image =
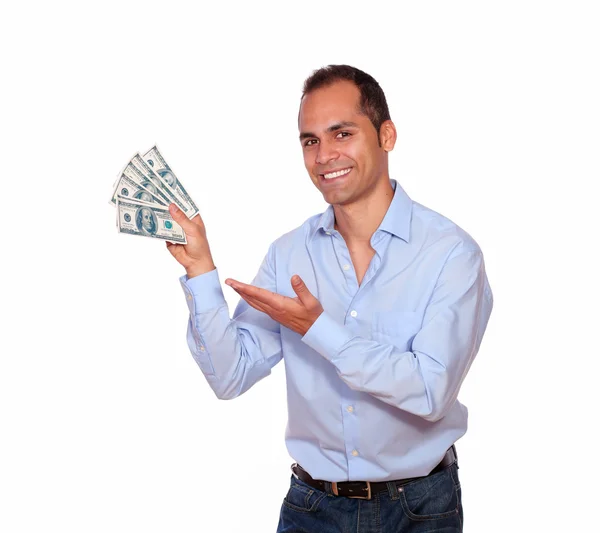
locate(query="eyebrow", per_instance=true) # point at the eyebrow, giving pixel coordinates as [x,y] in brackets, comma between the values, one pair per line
[330,129]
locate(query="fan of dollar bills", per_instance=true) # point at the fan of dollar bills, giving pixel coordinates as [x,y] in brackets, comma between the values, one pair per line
[142,194]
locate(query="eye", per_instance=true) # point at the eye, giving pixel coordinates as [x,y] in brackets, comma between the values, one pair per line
[310,142]
[342,134]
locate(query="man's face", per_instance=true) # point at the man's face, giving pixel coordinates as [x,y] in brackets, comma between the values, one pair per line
[146,219]
[337,140]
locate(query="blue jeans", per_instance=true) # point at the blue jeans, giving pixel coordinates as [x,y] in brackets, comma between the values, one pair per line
[432,503]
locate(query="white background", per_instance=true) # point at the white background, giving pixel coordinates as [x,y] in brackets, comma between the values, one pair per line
[106,423]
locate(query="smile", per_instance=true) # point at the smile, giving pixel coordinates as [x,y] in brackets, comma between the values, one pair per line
[336,174]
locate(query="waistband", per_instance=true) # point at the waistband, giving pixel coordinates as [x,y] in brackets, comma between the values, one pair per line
[365,489]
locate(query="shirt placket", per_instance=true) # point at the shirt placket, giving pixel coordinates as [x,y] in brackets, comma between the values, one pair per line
[349,405]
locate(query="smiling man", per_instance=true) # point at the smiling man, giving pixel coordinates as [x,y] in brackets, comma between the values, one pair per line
[378,306]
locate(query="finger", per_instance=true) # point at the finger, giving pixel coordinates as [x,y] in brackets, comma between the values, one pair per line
[179,216]
[302,291]
[176,250]
[263,295]
[259,306]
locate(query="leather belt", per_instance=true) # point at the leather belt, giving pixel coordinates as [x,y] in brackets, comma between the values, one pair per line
[365,489]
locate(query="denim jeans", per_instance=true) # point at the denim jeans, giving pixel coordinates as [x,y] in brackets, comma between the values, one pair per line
[426,505]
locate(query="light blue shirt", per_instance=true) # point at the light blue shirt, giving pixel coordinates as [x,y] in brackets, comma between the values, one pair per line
[372,387]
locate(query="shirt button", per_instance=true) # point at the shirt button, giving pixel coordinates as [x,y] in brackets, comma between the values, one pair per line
[355,453]
[350,409]
[353,314]
[328,232]
[201,348]
[346,267]
[189,296]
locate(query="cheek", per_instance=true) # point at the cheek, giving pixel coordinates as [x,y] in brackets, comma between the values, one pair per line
[369,158]
[352,152]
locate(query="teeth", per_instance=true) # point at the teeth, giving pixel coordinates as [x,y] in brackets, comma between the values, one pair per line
[336,174]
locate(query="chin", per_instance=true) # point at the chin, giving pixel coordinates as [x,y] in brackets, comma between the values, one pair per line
[337,198]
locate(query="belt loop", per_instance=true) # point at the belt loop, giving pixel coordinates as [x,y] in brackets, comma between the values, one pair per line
[393,490]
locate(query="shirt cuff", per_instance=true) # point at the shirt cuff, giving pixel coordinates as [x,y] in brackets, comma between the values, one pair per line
[327,337]
[203,292]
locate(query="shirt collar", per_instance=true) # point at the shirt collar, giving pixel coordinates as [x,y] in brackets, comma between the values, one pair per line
[396,220]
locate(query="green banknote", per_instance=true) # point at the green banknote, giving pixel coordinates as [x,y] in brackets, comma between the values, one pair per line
[155,160]
[147,220]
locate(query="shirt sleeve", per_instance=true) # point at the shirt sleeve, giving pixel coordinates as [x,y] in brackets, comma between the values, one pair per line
[424,381]
[233,353]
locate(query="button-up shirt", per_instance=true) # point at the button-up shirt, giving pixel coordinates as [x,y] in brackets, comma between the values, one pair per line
[372,386]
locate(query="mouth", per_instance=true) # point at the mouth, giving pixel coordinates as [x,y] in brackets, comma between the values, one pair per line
[336,175]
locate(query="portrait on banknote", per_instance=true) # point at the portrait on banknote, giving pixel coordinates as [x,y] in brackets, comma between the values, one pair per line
[149,185]
[143,196]
[145,221]
[169,177]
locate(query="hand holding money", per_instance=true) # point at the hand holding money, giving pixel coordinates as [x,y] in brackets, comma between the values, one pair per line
[142,195]
[194,256]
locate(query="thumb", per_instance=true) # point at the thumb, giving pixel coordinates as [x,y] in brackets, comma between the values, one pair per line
[302,290]
[181,219]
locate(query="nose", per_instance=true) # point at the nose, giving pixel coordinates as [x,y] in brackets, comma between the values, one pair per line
[327,152]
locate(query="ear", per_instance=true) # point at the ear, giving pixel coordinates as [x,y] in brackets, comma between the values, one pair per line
[387,135]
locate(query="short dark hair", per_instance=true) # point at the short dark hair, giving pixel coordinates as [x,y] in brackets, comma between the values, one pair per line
[372,99]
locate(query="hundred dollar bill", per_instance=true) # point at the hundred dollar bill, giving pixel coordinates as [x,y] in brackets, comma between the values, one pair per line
[120,198]
[148,220]
[134,174]
[155,159]
[128,188]
[157,181]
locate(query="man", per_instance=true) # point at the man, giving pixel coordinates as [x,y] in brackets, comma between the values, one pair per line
[378,306]
[145,221]
[144,196]
[149,186]
[169,177]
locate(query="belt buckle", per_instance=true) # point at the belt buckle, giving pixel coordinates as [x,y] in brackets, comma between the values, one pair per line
[368,496]
[334,489]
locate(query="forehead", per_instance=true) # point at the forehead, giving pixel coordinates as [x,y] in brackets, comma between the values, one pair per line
[322,107]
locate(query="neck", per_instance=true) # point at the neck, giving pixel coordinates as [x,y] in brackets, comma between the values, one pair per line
[358,221]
